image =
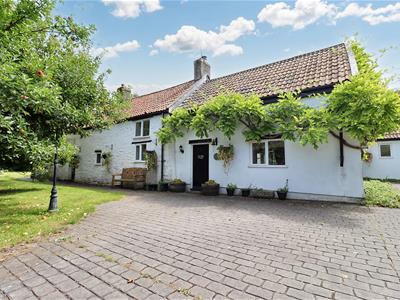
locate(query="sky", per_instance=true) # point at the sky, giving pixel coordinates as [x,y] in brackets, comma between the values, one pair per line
[151,44]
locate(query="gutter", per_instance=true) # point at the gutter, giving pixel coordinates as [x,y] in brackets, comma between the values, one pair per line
[162,159]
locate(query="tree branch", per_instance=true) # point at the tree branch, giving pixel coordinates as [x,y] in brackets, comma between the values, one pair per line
[346,143]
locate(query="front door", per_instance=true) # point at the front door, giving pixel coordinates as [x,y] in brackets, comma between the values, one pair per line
[200,165]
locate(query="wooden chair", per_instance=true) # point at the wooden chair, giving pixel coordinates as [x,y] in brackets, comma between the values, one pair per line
[130,177]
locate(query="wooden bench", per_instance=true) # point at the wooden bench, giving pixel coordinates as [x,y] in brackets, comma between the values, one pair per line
[130,177]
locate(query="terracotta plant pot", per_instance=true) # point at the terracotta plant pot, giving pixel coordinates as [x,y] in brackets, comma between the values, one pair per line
[245,192]
[210,189]
[282,195]
[230,192]
[177,187]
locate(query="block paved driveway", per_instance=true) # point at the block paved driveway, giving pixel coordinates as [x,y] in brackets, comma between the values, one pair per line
[160,245]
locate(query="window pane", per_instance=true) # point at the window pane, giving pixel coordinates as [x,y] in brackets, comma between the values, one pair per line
[143,151]
[258,153]
[276,153]
[138,131]
[137,157]
[385,151]
[146,127]
[98,157]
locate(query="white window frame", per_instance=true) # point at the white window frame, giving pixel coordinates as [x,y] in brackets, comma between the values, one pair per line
[380,151]
[266,165]
[141,154]
[98,152]
[142,128]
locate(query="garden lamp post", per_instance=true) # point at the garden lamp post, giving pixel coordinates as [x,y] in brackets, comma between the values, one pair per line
[53,196]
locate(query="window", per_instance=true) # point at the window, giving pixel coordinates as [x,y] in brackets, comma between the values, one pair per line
[259,153]
[138,131]
[140,151]
[98,156]
[385,151]
[142,128]
[276,153]
[146,127]
[274,149]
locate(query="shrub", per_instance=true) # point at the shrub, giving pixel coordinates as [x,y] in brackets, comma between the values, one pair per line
[378,193]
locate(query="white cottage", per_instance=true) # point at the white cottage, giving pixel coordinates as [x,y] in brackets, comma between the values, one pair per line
[384,162]
[333,172]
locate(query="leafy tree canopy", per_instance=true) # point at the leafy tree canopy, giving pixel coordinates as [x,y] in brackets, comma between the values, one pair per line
[50,85]
[364,107]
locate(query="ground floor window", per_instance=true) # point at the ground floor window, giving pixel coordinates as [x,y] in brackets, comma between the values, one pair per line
[97,157]
[268,153]
[385,150]
[140,151]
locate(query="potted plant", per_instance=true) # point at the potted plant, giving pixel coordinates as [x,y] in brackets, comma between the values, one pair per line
[282,192]
[151,187]
[163,186]
[230,189]
[210,188]
[246,191]
[177,186]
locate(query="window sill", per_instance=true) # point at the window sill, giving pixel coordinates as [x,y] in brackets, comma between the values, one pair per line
[386,157]
[141,137]
[268,166]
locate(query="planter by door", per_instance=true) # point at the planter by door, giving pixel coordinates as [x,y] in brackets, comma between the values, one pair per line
[210,189]
[177,187]
[163,187]
[200,165]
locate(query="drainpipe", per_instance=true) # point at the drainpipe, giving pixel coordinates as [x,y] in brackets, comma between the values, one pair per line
[341,148]
[162,158]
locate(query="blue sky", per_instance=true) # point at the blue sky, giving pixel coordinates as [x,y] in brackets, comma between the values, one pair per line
[235,35]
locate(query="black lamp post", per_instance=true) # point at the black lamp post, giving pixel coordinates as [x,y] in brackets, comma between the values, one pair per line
[53,196]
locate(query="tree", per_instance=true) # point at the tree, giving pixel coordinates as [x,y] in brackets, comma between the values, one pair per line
[49,84]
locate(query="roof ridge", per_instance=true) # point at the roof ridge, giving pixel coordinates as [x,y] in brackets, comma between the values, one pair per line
[174,86]
[279,61]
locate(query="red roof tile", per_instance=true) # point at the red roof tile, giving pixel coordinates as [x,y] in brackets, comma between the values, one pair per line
[158,101]
[391,136]
[312,70]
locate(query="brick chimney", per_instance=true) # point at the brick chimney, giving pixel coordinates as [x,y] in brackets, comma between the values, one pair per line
[201,68]
[125,91]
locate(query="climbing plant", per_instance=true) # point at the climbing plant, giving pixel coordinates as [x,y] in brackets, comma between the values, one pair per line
[363,107]
[226,154]
[150,158]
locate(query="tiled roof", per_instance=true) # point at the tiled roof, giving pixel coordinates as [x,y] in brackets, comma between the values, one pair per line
[391,136]
[312,70]
[158,101]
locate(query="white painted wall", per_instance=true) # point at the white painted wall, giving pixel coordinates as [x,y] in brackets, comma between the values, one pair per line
[383,167]
[118,140]
[312,174]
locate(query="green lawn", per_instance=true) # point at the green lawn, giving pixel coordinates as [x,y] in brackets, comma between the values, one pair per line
[23,208]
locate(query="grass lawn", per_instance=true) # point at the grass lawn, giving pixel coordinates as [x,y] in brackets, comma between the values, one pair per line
[24,204]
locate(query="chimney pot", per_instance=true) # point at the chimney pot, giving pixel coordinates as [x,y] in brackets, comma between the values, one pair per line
[201,68]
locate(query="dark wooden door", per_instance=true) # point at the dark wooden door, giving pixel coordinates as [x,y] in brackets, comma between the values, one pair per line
[200,165]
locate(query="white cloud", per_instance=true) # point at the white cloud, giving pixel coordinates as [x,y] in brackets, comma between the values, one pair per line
[132,8]
[190,39]
[304,12]
[153,52]
[113,51]
[374,16]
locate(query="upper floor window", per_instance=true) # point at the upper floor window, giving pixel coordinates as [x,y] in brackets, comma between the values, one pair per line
[268,153]
[385,150]
[142,128]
